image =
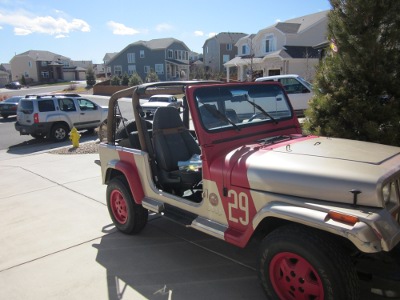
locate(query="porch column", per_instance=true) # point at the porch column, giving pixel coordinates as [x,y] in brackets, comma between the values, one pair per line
[227,74]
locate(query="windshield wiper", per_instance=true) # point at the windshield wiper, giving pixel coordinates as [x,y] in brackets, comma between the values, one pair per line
[216,113]
[260,109]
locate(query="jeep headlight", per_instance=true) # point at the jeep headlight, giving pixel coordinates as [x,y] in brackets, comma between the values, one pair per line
[389,193]
[386,191]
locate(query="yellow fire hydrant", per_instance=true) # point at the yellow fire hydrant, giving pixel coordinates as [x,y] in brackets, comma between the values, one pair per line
[74,137]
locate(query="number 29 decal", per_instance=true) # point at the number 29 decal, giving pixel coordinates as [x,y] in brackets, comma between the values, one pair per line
[239,207]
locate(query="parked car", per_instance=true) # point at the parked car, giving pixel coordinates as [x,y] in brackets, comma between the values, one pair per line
[298,89]
[54,116]
[15,85]
[9,106]
[323,210]
[156,101]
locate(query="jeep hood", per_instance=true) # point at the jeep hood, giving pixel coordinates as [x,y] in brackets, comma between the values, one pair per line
[319,168]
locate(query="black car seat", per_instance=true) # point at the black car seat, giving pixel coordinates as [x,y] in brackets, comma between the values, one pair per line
[173,142]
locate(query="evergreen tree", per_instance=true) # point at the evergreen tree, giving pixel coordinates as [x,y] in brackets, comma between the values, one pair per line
[23,80]
[152,77]
[357,84]
[90,78]
[135,79]
[114,80]
[125,79]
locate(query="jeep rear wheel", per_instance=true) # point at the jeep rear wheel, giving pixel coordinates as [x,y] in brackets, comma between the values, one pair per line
[299,263]
[126,215]
[59,132]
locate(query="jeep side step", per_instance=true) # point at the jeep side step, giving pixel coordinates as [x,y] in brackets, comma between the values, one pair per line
[178,215]
[153,205]
[215,229]
[187,219]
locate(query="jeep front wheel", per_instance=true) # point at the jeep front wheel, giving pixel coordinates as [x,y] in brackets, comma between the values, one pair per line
[126,215]
[299,263]
[59,132]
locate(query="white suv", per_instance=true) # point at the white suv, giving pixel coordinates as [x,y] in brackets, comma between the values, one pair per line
[156,101]
[298,89]
[53,116]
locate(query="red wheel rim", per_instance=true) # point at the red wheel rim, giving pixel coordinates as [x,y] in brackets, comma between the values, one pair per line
[293,277]
[118,206]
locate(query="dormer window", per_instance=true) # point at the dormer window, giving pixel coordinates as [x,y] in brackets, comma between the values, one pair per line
[229,47]
[245,50]
[269,43]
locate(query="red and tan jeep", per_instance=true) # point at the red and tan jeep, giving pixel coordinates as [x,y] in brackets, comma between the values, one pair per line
[235,165]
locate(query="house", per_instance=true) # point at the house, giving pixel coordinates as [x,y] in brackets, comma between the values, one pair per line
[44,66]
[220,49]
[168,57]
[106,59]
[5,74]
[283,48]
[99,70]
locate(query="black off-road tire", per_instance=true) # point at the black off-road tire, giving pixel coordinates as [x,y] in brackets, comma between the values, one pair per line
[127,216]
[297,259]
[59,132]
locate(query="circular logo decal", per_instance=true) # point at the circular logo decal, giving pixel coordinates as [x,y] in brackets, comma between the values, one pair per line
[213,198]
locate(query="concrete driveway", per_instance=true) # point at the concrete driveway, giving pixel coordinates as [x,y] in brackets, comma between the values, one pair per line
[57,242]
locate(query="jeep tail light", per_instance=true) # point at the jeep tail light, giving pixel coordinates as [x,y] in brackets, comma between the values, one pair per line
[36,118]
[343,218]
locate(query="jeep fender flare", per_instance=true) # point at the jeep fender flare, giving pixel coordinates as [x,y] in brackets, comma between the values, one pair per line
[131,175]
[361,234]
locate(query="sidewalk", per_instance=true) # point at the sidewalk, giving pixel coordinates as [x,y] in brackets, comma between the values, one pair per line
[58,242]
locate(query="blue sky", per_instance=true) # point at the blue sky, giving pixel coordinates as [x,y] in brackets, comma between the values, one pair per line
[86,30]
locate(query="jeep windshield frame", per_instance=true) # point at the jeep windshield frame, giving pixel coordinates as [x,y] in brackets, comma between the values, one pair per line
[241,105]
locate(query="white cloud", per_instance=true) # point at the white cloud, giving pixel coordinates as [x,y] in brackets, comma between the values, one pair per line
[121,29]
[61,36]
[277,20]
[25,23]
[211,34]
[163,27]
[21,31]
[199,33]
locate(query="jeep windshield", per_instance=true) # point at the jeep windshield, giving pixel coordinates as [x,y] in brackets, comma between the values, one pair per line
[235,106]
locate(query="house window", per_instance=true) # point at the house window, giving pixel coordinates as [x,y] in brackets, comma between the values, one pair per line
[30,64]
[65,63]
[244,49]
[43,63]
[170,53]
[131,69]
[141,53]
[186,55]
[159,68]
[26,74]
[118,70]
[269,43]
[131,58]
[229,47]
[44,74]
[225,58]
[147,69]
